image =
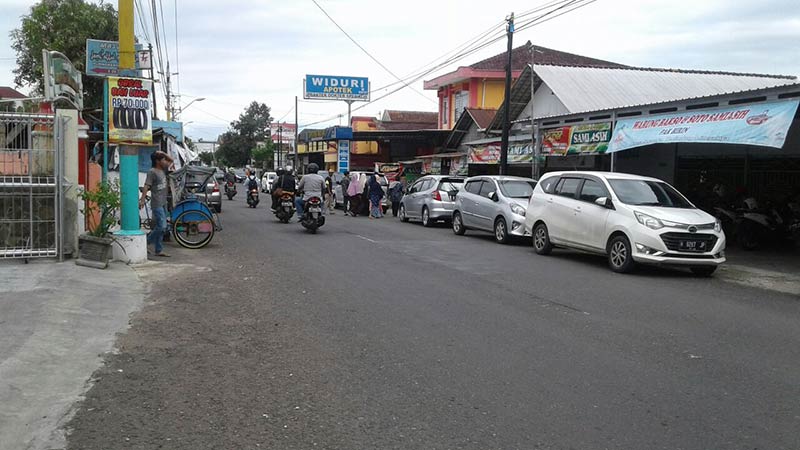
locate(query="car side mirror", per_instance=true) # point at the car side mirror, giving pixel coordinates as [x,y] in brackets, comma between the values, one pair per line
[605,202]
[493,196]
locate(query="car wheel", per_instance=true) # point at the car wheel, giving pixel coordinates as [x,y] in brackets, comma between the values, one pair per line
[458,224]
[501,231]
[426,217]
[403,215]
[703,271]
[620,256]
[541,240]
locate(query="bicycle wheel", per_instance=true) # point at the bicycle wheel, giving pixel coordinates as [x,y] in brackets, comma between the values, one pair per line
[193,229]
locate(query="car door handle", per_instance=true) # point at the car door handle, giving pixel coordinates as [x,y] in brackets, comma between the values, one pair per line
[550,200]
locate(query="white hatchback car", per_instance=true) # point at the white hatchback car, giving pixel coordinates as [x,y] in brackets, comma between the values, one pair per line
[629,218]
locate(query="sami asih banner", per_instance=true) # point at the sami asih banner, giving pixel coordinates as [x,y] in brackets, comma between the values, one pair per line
[764,124]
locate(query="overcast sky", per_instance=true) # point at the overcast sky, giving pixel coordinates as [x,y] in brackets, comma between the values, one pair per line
[236,51]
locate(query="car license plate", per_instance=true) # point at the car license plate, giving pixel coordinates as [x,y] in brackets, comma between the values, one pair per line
[316,210]
[288,204]
[692,246]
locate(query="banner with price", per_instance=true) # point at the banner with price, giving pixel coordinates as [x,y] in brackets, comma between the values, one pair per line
[129,111]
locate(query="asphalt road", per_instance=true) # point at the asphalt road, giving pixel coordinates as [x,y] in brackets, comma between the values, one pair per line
[375,334]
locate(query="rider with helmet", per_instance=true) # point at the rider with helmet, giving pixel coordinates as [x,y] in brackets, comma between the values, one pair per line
[312,185]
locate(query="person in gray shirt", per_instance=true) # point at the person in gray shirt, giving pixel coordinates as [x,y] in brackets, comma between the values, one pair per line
[312,185]
[156,184]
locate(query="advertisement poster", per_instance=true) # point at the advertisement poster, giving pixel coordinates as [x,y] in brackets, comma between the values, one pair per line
[590,138]
[764,124]
[490,154]
[129,111]
[555,141]
[102,59]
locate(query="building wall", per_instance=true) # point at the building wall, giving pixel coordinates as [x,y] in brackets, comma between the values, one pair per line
[495,92]
[545,104]
[364,148]
[483,93]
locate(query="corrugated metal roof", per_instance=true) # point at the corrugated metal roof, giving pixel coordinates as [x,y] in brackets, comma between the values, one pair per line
[583,89]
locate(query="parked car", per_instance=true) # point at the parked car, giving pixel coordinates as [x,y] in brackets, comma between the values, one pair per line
[495,204]
[266,181]
[212,195]
[431,199]
[629,218]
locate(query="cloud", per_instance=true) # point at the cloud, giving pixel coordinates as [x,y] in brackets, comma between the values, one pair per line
[236,51]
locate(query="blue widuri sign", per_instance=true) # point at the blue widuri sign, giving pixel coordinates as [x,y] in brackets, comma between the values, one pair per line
[330,87]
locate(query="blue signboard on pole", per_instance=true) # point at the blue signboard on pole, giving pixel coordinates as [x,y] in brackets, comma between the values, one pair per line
[102,59]
[343,149]
[328,87]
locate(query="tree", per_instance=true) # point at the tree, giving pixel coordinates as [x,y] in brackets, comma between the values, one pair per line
[264,153]
[64,26]
[207,158]
[237,144]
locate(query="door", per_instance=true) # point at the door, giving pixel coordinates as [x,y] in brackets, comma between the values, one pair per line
[485,206]
[592,217]
[412,199]
[563,210]
[467,202]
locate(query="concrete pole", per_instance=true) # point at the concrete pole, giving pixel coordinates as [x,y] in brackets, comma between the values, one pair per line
[507,100]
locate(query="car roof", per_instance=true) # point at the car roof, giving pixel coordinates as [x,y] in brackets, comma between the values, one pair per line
[503,178]
[606,175]
[439,177]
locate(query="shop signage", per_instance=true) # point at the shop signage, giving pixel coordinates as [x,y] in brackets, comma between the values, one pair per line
[129,110]
[764,124]
[102,59]
[490,154]
[343,150]
[329,87]
[61,78]
[589,138]
[338,133]
[284,131]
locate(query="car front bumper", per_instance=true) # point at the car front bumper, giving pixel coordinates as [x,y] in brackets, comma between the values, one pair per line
[517,226]
[650,249]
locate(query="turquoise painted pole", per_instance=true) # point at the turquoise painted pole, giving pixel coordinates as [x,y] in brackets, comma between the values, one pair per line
[105,129]
[129,189]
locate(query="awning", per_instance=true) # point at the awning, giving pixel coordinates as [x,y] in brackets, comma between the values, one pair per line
[445,155]
[763,124]
[496,140]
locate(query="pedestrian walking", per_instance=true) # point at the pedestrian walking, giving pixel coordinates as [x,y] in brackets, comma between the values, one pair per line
[354,194]
[329,205]
[395,195]
[375,196]
[345,195]
[156,185]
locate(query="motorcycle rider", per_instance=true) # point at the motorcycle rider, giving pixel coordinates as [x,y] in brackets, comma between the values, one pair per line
[284,183]
[312,185]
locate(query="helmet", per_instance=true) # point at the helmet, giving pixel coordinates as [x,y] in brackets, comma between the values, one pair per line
[230,169]
[313,168]
[280,172]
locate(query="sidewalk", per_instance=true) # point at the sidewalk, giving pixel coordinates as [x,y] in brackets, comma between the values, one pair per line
[56,322]
[773,269]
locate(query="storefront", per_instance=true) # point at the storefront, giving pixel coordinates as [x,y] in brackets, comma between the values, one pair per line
[483,156]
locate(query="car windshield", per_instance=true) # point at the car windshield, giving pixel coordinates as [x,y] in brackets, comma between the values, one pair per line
[451,185]
[649,193]
[517,188]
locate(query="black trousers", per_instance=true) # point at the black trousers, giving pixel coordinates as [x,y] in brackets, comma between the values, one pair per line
[395,208]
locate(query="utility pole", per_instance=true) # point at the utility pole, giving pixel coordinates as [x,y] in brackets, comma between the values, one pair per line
[507,103]
[534,146]
[153,81]
[280,144]
[296,135]
[170,111]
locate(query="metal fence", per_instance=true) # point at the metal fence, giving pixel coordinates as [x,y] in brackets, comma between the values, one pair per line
[31,198]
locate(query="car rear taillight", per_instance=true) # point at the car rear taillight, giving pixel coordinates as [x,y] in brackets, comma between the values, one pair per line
[216,187]
[437,196]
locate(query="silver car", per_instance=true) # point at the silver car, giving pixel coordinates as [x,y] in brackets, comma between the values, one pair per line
[494,204]
[431,199]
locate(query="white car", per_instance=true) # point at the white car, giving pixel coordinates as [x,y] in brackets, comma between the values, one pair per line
[266,181]
[629,218]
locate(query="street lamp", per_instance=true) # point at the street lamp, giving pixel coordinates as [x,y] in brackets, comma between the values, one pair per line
[198,99]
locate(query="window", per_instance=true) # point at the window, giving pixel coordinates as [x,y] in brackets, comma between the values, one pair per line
[416,187]
[549,184]
[517,189]
[426,185]
[488,188]
[649,193]
[445,113]
[451,184]
[592,190]
[461,103]
[473,187]
[568,187]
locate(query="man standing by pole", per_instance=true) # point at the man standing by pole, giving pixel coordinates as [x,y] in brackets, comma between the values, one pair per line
[507,102]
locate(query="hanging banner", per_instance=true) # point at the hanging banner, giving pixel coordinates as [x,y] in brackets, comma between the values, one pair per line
[764,124]
[589,138]
[490,154]
[129,116]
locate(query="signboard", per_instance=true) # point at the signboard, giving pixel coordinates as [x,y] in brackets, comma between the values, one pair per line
[129,106]
[589,138]
[283,132]
[343,150]
[61,79]
[102,59]
[490,154]
[328,87]
[338,133]
[764,124]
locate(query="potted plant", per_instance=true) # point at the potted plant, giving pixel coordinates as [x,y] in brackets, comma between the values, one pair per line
[101,207]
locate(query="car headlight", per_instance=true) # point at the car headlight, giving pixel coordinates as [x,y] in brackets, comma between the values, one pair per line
[517,209]
[718,226]
[648,221]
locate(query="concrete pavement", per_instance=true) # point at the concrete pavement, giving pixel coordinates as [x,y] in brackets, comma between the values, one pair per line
[56,322]
[377,334]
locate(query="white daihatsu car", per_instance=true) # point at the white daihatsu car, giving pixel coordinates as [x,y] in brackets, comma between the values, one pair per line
[629,218]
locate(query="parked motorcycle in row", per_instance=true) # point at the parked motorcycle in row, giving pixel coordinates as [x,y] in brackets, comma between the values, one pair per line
[285,209]
[312,218]
[252,198]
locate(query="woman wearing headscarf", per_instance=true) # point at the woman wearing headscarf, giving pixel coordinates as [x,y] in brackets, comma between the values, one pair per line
[354,190]
[375,195]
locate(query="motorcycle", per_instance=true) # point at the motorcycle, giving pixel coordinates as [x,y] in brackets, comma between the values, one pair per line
[230,189]
[285,209]
[312,215]
[252,198]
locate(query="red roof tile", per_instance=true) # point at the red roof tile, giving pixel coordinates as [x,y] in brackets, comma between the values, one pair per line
[422,117]
[521,57]
[482,117]
[7,92]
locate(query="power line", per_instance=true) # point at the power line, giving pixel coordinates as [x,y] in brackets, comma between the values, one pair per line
[368,53]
